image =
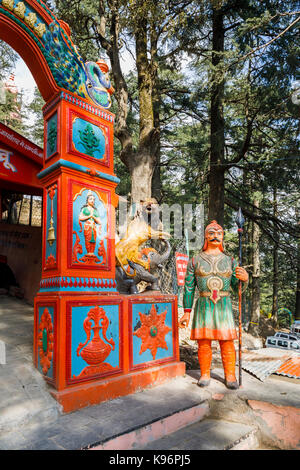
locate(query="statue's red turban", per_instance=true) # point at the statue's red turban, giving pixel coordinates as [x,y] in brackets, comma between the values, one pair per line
[215,226]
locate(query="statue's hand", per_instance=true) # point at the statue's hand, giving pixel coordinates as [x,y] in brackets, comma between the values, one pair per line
[241,274]
[184,320]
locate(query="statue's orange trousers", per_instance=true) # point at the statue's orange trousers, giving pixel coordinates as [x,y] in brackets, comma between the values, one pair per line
[227,354]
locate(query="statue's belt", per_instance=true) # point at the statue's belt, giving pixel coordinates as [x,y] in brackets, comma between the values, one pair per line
[208,294]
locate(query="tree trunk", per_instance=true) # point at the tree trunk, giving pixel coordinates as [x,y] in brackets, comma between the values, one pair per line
[255,307]
[141,161]
[156,188]
[142,167]
[156,101]
[217,140]
[111,45]
[141,171]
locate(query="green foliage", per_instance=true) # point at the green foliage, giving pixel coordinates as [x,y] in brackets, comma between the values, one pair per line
[12,112]
[35,107]
[8,59]
[10,104]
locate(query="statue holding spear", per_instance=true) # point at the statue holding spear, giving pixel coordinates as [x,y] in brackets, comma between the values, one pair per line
[214,273]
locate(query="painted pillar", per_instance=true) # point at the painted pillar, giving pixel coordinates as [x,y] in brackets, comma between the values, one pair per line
[91,343]
[78,262]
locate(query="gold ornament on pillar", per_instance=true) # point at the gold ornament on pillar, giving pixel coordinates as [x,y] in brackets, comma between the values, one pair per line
[51,232]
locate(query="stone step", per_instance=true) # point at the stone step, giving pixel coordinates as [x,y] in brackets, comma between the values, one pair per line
[208,434]
[128,422]
[154,431]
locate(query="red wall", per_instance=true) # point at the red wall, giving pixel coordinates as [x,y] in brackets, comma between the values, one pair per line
[20,159]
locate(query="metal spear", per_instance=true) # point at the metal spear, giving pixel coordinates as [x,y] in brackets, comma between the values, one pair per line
[240,223]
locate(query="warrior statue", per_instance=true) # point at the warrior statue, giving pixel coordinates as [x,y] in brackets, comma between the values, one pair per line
[214,273]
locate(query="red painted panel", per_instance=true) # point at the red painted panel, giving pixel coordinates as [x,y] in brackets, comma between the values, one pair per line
[20,159]
[181,266]
[45,304]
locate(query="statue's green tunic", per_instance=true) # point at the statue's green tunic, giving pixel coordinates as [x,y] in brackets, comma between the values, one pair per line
[214,276]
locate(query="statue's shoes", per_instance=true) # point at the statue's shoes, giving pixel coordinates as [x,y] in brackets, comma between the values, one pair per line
[231,385]
[203,382]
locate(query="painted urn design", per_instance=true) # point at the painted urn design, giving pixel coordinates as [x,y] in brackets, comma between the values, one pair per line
[94,351]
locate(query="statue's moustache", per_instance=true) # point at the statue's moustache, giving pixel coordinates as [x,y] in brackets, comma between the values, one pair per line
[215,240]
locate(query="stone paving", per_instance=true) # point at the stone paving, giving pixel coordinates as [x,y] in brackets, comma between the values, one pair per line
[105,421]
[24,394]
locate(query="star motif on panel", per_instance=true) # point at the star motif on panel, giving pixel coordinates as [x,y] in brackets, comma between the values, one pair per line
[153,331]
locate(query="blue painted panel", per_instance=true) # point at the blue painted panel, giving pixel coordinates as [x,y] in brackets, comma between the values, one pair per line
[51,136]
[79,314]
[51,250]
[40,313]
[88,139]
[147,356]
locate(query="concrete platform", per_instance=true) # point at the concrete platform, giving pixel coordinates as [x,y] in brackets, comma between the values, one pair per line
[177,415]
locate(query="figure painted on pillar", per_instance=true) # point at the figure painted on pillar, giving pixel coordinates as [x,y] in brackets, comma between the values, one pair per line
[214,273]
[90,237]
[89,215]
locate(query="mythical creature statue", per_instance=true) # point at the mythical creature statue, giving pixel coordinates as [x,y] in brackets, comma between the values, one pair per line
[134,261]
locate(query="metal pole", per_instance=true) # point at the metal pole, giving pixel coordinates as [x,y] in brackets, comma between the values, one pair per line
[240,230]
[240,223]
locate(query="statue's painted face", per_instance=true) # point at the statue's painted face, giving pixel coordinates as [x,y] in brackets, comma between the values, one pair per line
[214,237]
[91,200]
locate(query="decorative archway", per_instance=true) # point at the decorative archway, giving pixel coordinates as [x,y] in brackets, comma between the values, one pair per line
[45,45]
[78,288]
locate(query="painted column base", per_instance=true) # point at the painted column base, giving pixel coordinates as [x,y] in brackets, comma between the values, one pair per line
[83,395]
[93,348]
